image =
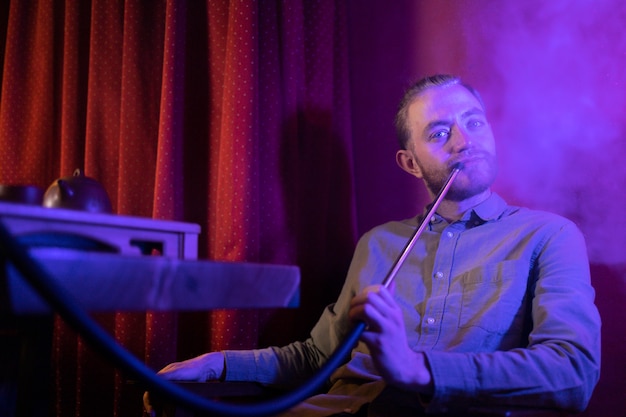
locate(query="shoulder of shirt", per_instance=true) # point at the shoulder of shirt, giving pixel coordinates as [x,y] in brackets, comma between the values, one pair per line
[533,215]
[539,220]
[400,228]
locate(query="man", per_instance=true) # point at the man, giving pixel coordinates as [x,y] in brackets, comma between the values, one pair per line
[493,306]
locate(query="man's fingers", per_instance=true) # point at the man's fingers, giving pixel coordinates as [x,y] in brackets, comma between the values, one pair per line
[147,405]
[368,313]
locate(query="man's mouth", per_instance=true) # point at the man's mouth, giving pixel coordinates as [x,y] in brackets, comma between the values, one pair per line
[468,159]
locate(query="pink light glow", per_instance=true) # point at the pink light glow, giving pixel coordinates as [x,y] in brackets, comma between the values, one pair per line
[551,74]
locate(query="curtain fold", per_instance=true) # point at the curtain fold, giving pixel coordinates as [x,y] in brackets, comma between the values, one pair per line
[230,114]
[233,228]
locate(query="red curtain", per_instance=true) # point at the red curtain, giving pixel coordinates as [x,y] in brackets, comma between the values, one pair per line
[231,114]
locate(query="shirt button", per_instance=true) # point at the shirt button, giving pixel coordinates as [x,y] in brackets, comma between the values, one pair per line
[430,320]
[439,275]
[449,234]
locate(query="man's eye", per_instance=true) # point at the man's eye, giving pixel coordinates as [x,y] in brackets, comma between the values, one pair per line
[472,124]
[440,134]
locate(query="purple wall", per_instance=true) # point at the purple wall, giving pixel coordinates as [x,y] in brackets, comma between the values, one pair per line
[553,77]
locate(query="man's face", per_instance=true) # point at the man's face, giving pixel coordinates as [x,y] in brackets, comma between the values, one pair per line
[448,125]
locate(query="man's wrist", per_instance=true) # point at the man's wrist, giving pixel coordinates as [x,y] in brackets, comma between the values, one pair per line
[418,377]
[425,376]
[213,366]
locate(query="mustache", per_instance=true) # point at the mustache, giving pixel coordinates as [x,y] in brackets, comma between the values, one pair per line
[458,162]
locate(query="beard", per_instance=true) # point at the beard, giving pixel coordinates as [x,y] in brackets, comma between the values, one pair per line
[475,177]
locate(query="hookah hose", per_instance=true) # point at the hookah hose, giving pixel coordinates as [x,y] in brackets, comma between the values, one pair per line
[101,341]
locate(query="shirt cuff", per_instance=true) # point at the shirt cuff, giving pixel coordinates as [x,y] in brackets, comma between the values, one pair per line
[453,380]
[250,365]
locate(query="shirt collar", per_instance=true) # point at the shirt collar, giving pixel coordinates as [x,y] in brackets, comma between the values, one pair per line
[490,209]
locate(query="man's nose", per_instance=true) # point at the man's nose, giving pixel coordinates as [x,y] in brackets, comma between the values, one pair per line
[461,139]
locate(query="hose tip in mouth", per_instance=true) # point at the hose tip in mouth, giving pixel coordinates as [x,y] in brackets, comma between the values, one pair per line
[458,166]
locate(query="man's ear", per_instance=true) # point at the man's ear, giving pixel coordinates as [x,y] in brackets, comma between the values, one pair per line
[407,161]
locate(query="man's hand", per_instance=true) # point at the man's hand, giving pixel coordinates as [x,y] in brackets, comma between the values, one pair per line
[209,366]
[386,339]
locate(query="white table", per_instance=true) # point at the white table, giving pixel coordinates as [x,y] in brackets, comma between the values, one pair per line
[127,280]
[128,235]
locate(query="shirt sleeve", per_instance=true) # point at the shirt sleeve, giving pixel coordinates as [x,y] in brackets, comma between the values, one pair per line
[560,365]
[281,367]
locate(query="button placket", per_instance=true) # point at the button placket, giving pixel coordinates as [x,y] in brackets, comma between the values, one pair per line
[442,268]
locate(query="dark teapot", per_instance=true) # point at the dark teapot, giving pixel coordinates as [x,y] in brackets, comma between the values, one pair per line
[78,192]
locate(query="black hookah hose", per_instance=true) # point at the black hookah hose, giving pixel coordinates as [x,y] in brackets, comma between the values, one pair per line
[95,336]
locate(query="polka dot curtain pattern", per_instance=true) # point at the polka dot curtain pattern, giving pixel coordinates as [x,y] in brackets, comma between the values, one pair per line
[230,114]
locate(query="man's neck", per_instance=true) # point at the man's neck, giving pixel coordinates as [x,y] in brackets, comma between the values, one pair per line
[454,210]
